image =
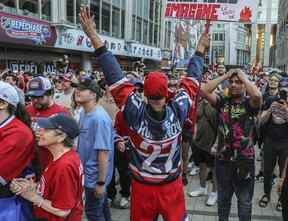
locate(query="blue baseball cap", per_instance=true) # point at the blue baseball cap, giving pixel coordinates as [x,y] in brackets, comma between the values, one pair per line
[38,86]
[61,122]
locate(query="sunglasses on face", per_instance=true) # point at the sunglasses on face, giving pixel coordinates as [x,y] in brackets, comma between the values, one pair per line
[155,98]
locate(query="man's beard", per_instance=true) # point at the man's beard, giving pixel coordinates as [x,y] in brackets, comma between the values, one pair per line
[40,106]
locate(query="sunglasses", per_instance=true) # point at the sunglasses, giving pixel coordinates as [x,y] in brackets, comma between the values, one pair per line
[155,97]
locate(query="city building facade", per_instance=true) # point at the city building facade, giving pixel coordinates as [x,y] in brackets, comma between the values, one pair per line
[230,44]
[282,37]
[264,33]
[34,32]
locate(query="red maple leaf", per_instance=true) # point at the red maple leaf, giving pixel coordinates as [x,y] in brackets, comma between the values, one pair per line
[245,15]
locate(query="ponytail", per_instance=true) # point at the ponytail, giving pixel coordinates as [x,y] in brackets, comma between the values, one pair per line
[20,113]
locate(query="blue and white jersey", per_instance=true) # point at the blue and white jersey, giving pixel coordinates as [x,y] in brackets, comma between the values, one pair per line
[156,150]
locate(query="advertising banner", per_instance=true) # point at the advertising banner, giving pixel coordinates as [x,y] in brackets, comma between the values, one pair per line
[28,31]
[77,40]
[186,37]
[218,10]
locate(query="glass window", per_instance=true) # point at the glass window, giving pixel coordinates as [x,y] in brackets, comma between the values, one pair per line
[8,6]
[138,29]
[151,30]
[116,3]
[115,22]
[151,13]
[139,7]
[134,7]
[156,14]
[123,24]
[70,10]
[146,9]
[9,3]
[95,10]
[106,16]
[145,32]
[221,37]
[133,27]
[124,4]
[78,5]
[29,7]
[46,9]
[156,34]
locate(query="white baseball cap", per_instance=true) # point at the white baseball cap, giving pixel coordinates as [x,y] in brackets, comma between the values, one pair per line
[9,94]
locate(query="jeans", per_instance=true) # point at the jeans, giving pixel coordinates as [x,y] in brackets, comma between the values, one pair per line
[229,182]
[96,209]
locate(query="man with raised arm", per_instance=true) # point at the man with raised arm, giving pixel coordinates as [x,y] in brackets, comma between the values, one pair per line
[154,129]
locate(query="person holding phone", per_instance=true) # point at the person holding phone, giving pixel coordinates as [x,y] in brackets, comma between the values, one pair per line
[275,141]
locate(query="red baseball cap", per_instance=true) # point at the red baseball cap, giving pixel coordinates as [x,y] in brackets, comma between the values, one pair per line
[156,85]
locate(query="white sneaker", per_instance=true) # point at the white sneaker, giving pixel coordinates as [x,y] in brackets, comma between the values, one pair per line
[190,165]
[200,192]
[124,203]
[194,171]
[212,199]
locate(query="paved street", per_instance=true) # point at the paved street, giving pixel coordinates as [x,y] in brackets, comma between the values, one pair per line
[199,212]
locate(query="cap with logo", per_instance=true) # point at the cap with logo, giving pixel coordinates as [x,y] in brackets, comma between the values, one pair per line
[9,94]
[87,83]
[38,86]
[61,122]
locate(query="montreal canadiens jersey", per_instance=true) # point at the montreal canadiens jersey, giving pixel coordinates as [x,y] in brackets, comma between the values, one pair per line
[156,151]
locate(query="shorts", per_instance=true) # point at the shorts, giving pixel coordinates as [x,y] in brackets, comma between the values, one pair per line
[150,201]
[201,156]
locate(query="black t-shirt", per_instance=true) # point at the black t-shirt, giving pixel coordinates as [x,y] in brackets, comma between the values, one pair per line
[277,132]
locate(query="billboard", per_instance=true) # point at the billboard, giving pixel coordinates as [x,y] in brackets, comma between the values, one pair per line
[186,38]
[214,10]
[28,31]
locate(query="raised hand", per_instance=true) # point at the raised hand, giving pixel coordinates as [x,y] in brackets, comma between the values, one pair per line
[203,43]
[89,27]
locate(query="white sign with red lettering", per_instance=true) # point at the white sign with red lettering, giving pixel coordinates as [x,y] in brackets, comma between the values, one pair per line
[234,11]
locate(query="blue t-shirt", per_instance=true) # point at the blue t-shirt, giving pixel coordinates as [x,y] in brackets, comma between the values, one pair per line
[96,133]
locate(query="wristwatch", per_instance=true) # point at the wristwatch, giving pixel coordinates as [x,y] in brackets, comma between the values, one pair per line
[100,183]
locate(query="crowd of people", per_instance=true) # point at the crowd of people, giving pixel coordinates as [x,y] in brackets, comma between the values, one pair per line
[67,138]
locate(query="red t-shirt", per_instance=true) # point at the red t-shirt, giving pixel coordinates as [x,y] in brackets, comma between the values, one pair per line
[62,184]
[16,148]
[44,155]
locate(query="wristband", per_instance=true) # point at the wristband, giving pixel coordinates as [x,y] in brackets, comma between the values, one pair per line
[200,54]
[100,51]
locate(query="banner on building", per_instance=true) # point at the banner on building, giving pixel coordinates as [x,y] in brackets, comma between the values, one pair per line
[77,40]
[215,10]
[28,31]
